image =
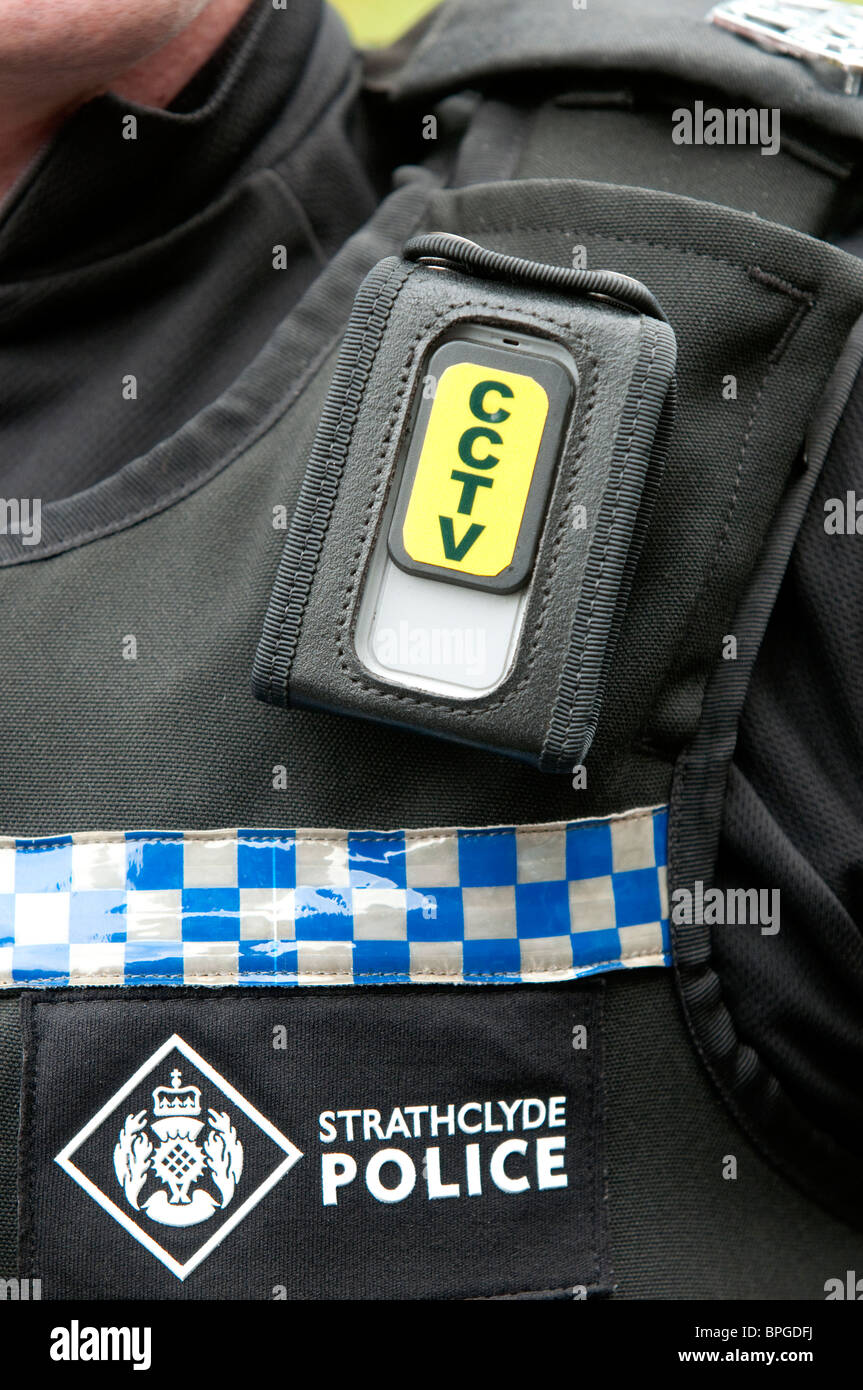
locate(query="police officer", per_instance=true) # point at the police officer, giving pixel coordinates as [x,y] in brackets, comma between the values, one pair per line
[600,1033]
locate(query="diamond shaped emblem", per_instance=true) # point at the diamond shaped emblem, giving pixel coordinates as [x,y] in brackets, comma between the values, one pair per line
[178,1157]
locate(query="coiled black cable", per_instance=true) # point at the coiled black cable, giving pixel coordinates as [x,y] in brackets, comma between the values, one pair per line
[451,252]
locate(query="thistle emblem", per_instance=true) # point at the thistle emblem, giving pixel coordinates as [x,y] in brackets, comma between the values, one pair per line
[178,1162]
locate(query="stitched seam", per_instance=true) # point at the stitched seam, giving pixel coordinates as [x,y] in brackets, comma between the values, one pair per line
[775,282]
[392,837]
[632,241]
[477,708]
[804,306]
[321,502]
[610,533]
[520,1293]
[364,975]
[28,1176]
[598,1082]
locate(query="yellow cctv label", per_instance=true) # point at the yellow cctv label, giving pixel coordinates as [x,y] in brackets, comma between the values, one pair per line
[473,477]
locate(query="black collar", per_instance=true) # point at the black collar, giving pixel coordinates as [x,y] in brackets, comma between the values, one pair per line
[92,193]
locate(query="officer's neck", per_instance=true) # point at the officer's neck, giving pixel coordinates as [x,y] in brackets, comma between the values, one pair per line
[30,114]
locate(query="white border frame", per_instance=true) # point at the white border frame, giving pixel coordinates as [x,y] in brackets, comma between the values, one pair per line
[64,1157]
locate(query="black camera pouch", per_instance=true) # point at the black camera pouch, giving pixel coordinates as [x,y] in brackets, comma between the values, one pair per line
[472,512]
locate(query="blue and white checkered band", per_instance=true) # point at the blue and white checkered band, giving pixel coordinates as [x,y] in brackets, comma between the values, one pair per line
[316,907]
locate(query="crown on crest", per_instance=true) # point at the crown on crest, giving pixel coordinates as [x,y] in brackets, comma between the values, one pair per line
[176,1099]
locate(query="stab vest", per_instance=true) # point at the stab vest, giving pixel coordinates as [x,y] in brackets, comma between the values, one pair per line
[557,875]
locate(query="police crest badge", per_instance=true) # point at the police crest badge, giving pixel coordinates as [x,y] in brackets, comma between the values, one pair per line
[178,1156]
[179,1161]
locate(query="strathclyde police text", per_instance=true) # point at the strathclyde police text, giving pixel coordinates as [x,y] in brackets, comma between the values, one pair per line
[528,1160]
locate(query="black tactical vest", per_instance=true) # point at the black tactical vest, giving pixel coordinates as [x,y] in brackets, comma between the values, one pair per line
[569,1001]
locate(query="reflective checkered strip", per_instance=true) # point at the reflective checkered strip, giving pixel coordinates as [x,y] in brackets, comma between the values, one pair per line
[305,907]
